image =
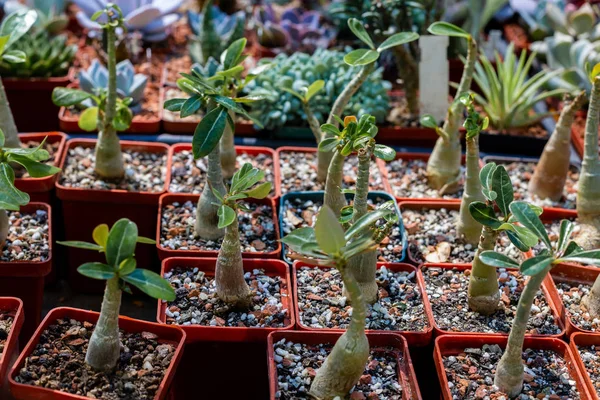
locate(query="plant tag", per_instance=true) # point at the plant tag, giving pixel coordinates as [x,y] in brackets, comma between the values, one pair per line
[434,76]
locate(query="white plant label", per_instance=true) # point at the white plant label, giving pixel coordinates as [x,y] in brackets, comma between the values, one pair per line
[433,76]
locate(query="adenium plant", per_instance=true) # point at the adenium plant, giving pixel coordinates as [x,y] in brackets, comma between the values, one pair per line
[110,113]
[120,270]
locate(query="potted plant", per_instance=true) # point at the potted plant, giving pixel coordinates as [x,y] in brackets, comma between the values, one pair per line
[96,341]
[97,174]
[584,347]
[11,321]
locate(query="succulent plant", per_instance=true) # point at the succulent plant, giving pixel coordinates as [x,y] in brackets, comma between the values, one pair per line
[151,18]
[46,56]
[340,11]
[51,13]
[129,84]
[300,70]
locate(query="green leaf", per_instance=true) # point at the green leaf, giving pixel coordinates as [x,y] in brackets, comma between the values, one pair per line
[590,257]
[226,216]
[313,89]
[14,57]
[297,238]
[3,41]
[484,214]
[121,241]
[566,230]
[96,270]
[66,97]
[486,173]
[502,185]
[17,24]
[397,40]
[2,138]
[328,231]
[535,265]
[360,32]
[517,241]
[97,15]
[34,168]
[428,121]
[330,129]
[232,56]
[190,106]
[366,221]
[572,248]
[100,235]
[151,283]
[127,266]
[88,119]
[145,240]
[384,152]
[359,246]
[361,57]
[346,215]
[527,217]
[447,29]
[328,144]
[81,245]
[208,132]
[261,191]
[595,71]
[174,105]
[11,198]
[497,260]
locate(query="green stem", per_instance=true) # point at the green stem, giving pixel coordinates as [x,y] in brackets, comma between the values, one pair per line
[105,347]
[207,219]
[509,373]
[313,122]
[467,226]
[229,272]
[7,121]
[483,290]
[228,153]
[409,73]
[334,198]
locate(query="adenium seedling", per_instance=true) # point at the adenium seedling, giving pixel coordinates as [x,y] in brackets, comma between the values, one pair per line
[120,269]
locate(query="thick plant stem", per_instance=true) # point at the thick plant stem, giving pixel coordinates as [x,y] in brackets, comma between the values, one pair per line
[346,362]
[548,181]
[592,300]
[207,219]
[228,154]
[3,227]
[509,372]
[588,195]
[443,167]
[467,226]
[363,267]
[229,272]
[409,73]
[323,157]
[483,293]
[334,198]
[7,121]
[313,122]
[109,160]
[104,347]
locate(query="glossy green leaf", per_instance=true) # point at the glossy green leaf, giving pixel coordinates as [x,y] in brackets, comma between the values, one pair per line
[595,71]
[261,191]
[88,120]
[100,235]
[96,270]
[517,241]
[360,32]
[368,220]
[313,89]
[397,40]
[121,241]
[297,238]
[3,41]
[16,25]
[359,246]
[486,173]
[127,266]
[174,105]
[66,97]
[361,57]
[484,214]
[497,260]
[145,240]
[11,198]
[34,168]
[81,245]
[209,131]
[14,57]
[151,283]
[328,231]
[535,265]
[502,185]
[328,144]
[233,55]
[566,230]
[572,249]
[447,29]
[226,216]
[190,106]
[428,121]
[330,129]
[590,257]
[528,218]
[123,118]
[384,152]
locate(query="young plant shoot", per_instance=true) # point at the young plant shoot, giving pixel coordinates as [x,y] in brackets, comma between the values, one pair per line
[510,371]
[11,198]
[328,245]
[551,172]
[217,94]
[120,269]
[110,114]
[443,167]
[229,272]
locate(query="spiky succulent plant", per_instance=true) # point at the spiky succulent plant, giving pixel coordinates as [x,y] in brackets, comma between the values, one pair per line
[300,70]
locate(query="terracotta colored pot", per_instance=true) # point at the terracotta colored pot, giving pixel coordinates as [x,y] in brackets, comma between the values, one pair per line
[437,331]
[198,333]
[584,339]
[406,374]
[27,95]
[252,150]
[454,345]
[84,209]
[166,334]
[412,337]
[171,198]
[14,307]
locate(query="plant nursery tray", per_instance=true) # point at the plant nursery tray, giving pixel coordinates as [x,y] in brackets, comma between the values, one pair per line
[585,339]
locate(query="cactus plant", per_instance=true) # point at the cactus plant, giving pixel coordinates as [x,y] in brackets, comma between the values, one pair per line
[51,13]
[118,244]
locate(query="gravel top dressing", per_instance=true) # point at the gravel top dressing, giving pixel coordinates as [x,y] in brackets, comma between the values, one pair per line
[571,294]
[144,172]
[189,175]
[322,304]
[6,322]
[27,237]
[297,365]
[51,148]
[408,178]
[447,293]
[471,375]
[197,302]
[58,362]
[299,173]
[257,229]
[590,355]
[298,213]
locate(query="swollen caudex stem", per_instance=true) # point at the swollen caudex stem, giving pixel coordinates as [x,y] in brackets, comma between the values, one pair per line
[443,167]
[551,172]
[333,197]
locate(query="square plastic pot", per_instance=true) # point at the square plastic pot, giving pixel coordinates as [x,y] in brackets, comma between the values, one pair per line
[318,196]
[166,334]
[584,339]
[454,345]
[84,209]
[406,373]
[437,331]
[200,333]
[251,150]
[413,338]
[14,307]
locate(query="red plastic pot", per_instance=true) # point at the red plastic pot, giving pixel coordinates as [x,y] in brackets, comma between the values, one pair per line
[198,333]
[25,279]
[454,345]
[413,338]
[252,150]
[406,373]
[84,209]
[25,95]
[437,331]
[39,188]
[171,198]
[584,339]
[166,334]
[14,307]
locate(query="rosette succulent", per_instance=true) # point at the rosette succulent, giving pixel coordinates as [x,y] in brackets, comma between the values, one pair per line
[51,13]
